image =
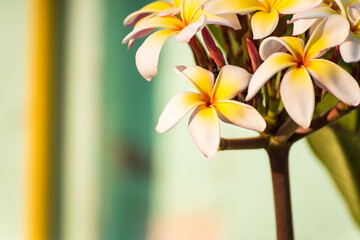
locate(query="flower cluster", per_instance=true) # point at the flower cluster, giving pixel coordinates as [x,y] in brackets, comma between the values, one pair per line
[276,61]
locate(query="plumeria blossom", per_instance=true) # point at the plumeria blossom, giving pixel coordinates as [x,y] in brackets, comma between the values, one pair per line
[350,10]
[296,88]
[192,19]
[155,8]
[303,21]
[266,16]
[213,101]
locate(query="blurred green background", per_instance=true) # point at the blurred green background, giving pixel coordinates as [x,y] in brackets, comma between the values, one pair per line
[112,176]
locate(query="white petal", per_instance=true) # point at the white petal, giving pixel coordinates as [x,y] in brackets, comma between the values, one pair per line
[189,8]
[353,14]
[240,114]
[233,6]
[135,17]
[204,129]
[178,106]
[201,79]
[139,35]
[169,12]
[147,56]
[264,23]
[295,6]
[229,20]
[190,30]
[319,12]
[152,23]
[272,45]
[331,32]
[336,80]
[130,38]
[151,8]
[298,96]
[230,81]
[303,21]
[343,5]
[131,43]
[302,25]
[350,49]
[272,65]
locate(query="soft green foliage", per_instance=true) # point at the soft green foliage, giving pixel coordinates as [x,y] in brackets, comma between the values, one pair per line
[338,148]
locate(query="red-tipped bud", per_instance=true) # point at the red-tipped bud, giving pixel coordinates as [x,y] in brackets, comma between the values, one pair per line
[254,55]
[214,51]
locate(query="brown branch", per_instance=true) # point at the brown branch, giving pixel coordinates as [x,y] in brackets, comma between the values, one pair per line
[243,143]
[326,118]
[279,162]
[286,131]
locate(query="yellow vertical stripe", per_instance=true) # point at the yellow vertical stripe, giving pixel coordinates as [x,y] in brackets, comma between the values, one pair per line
[39,118]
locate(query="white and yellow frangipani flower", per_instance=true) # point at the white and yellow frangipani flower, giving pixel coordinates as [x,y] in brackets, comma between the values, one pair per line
[266,16]
[155,8]
[296,87]
[350,10]
[304,20]
[213,101]
[192,19]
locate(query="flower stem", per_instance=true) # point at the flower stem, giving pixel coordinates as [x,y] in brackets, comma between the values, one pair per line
[273,108]
[279,162]
[323,120]
[243,143]
[286,131]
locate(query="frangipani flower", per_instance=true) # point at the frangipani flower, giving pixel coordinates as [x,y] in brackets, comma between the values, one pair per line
[211,103]
[266,16]
[296,88]
[304,20]
[193,19]
[350,10]
[158,8]
[154,8]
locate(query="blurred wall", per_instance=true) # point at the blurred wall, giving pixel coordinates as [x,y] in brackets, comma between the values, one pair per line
[13,121]
[126,131]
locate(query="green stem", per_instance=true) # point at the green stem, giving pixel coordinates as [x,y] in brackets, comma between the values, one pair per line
[273,108]
[269,85]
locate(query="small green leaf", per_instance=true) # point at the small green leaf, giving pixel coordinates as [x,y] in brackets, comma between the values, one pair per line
[339,150]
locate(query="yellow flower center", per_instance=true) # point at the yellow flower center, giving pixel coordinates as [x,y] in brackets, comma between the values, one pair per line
[268,5]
